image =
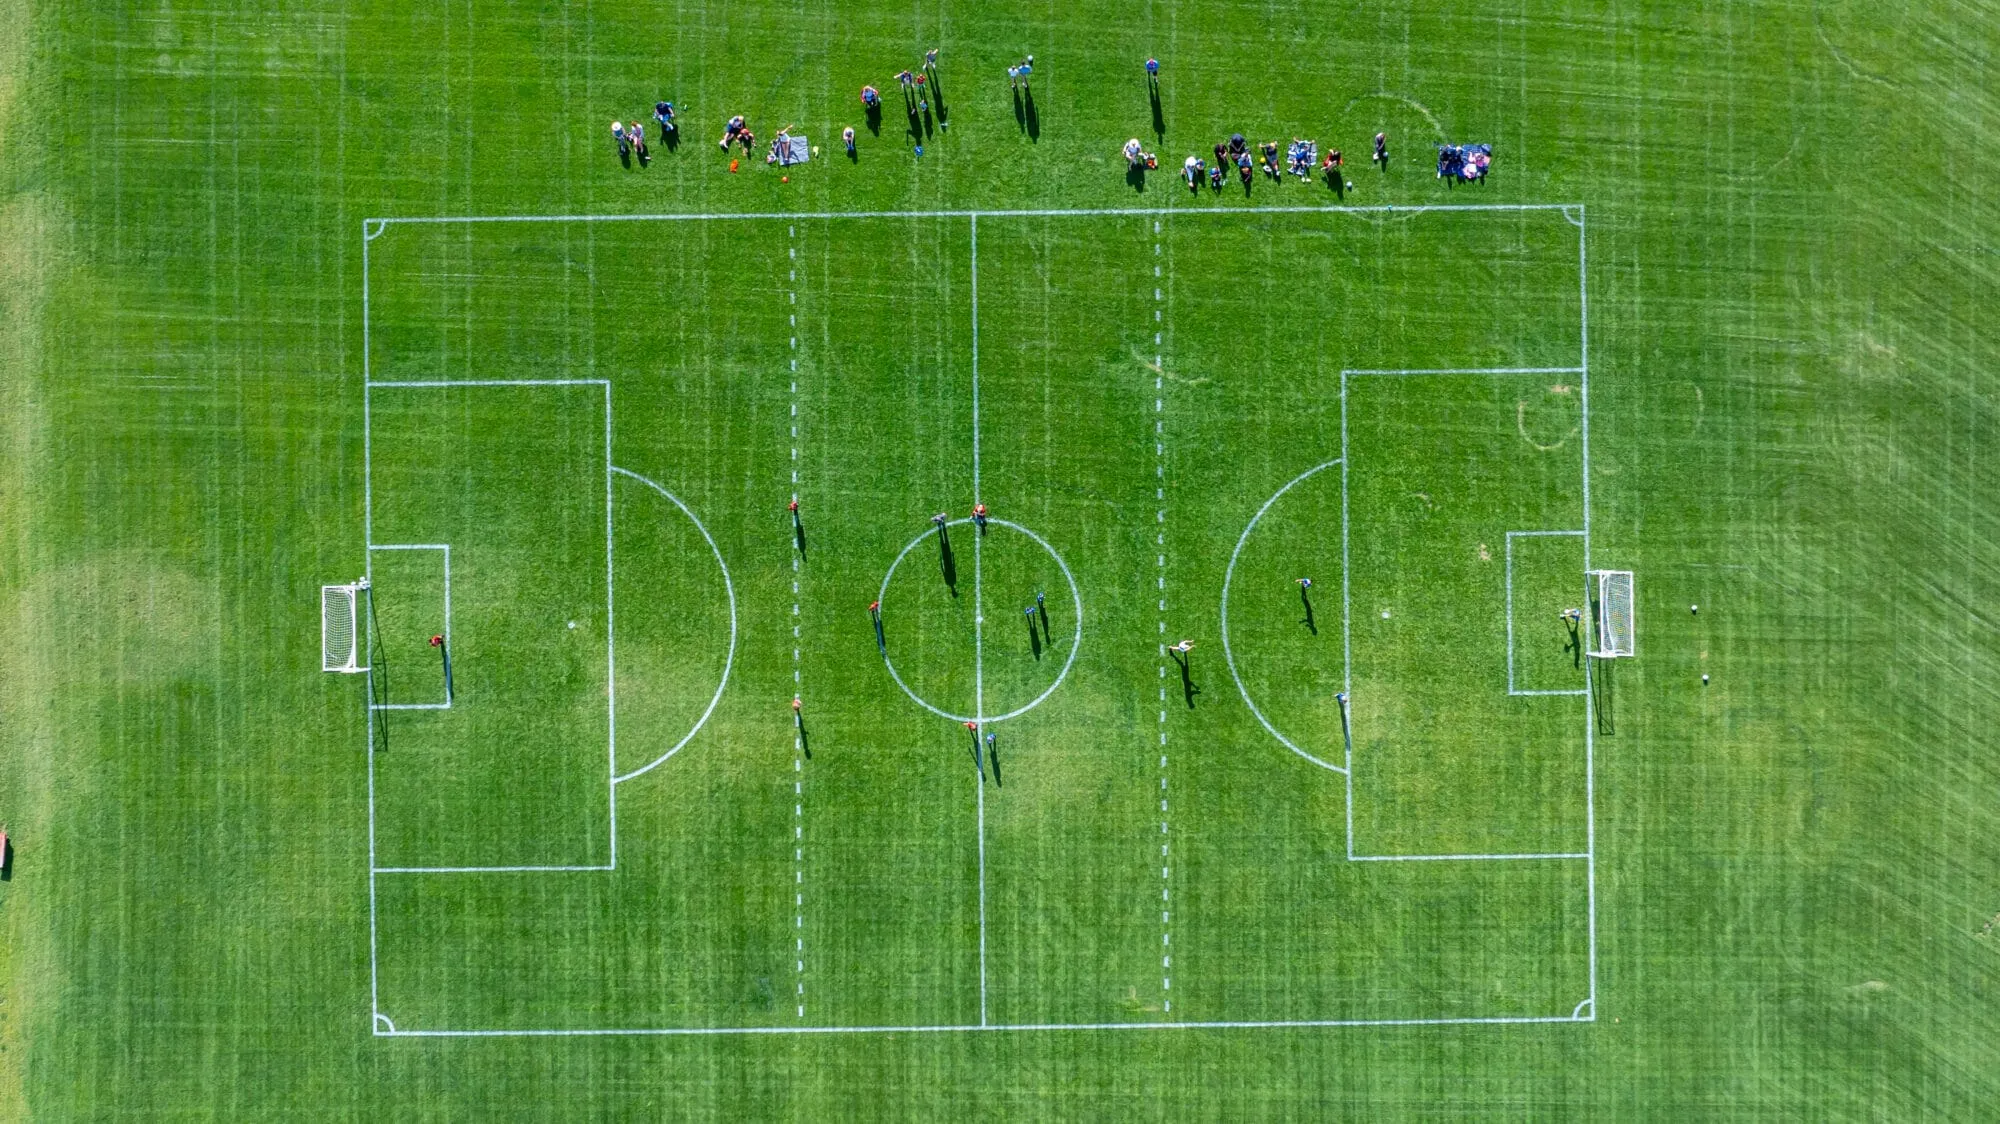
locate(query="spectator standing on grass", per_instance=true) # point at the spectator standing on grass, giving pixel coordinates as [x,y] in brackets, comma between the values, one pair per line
[618,138]
[871,98]
[638,133]
[930,61]
[1153,69]
[663,112]
[1382,150]
[1191,172]
[730,132]
[847,138]
[1027,68]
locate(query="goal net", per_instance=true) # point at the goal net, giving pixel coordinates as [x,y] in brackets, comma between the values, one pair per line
[339,638]
[1615,632]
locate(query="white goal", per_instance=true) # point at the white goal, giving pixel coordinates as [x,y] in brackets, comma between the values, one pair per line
[1615,621]
[339,634]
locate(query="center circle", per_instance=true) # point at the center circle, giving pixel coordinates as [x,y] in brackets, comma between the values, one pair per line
[978,613]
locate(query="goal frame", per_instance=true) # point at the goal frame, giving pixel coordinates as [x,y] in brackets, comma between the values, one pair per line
[1608,646]
[330,596]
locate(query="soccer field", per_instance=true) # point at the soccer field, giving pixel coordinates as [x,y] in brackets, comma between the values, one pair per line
[630,802]
[941,896]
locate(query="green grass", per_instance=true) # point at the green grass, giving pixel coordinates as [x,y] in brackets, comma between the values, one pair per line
[1790,266]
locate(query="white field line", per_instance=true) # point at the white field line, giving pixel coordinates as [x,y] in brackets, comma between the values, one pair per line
[798,683]
[1469,371]
[979,781]
[1160,540]
[979,628]
[610,640]
[374,969]
[1229,575]
[433,383]
[1466,858]
[1055,212]
[367,536]
[1591,771]
[1499,1020]
[1346,630]
[483,869]
[728,660]
[1511,536]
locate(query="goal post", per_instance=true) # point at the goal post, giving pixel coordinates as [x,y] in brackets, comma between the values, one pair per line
[339,627]
[1616,632]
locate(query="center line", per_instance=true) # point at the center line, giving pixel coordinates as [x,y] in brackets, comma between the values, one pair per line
[978,622]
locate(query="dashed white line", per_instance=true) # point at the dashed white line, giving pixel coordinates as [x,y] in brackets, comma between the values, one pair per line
[1160,494]
[798,732]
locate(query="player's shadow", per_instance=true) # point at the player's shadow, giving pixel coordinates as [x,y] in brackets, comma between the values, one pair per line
[1159,114]
[1031,120]
[7,859]
[937,97]
[799,535]
[1311,625]
[1034,635]
[874,118]
[378,677]
[1135,177]
[993,756]
[805,738]
[1604,695]
[672,139]
[1574,645]
[947,562]
[1188,688]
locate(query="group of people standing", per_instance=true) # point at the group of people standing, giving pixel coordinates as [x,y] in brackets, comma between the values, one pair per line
[631,139]
[1302,156]
[1236,153]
